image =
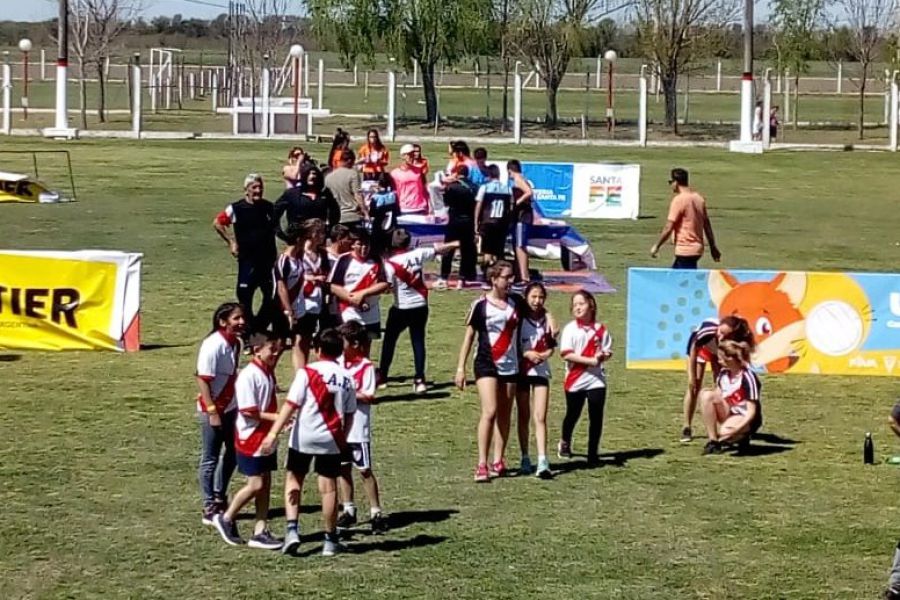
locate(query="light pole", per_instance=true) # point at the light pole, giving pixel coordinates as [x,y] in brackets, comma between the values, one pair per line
[296,52]
[610,56]
[25,47]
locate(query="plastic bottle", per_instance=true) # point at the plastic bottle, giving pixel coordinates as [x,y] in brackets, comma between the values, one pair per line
[869,450]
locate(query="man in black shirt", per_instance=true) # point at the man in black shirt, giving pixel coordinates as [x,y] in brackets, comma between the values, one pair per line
[253,245]
[309,200]
[459,198]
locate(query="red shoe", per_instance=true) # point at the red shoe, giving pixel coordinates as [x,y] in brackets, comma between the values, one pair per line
[498,469]
[481,474]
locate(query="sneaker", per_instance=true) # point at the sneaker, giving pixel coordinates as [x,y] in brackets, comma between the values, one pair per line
[563,449]
[332,547]
[291,542]
[265,541]
[498,469]
[228,530]
[346,520]
[379,524]
[543,470]
[712,448]
[440,285]
[209,511]
[525,467]
[420,387]
[686,436]
[482,475]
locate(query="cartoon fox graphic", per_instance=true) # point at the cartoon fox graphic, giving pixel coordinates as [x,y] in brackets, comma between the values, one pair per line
[770,308]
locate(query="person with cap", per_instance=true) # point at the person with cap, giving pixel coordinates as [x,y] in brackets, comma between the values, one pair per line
[253,245]
[408,183]
[686,225]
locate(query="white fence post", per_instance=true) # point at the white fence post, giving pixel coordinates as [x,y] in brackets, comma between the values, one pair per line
[154,93]
[887,97]
[43,64]
[306,74]
[642,107]
[265,102]
[840,77]
[598,71]
[416,73]
[136,102]
[7,99]
[517,109]
[355,75]
[895,100]
[767,109]
[191,87]
[719,76]
[391,105]
[215,93]
[321,80]
[787,95]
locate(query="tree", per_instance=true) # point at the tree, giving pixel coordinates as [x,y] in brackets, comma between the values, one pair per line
[549,33]
[674,34]
[794,39]
[109,18]
[420,31]
[868,22]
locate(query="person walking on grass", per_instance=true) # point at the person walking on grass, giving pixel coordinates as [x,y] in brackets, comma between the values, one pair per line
[323,395]
[494,319]
[257,410]
[459,198]
[345,185]
[585,346]
[522,218]
[217,364]
[493,207]
[373,156]
[686,225]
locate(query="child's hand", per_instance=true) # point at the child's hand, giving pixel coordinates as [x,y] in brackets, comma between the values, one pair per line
[268,443]
[460,379]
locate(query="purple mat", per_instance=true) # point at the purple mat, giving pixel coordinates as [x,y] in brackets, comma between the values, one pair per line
[562,281]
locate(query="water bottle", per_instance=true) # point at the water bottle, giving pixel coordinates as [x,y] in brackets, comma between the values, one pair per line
[869,450]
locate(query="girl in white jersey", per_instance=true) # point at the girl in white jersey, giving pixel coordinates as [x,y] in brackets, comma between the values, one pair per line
[290,277]
[585,345]
[731,411]
[494,318]
[316,266]
[537,339]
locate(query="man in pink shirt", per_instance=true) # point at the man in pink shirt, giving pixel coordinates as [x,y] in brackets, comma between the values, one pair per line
[686,225]
[409,184]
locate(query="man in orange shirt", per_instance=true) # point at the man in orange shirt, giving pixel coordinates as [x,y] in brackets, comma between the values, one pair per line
[686,224]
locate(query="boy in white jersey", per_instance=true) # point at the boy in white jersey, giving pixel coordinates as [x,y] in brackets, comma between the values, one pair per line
[289,280]
[359,441]
[257,409]
[403,270]
[324,395]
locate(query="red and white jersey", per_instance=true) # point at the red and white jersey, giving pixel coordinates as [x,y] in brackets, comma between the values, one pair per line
[217,364]
[255,392]
[404,271]
[534,336]
[290,271]
[323,394]
[356,275]
[314,265]
[363,373]
[739,390]
[497,327]
[586,340]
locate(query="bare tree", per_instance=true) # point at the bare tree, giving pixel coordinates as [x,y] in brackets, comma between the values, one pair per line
[109,18]
[869,22]
[794,24]
[675,34]
[80,30]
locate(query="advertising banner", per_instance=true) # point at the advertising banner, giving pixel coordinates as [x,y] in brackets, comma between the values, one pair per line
[552,184]
[603,191]
[804,322]
[21,188]
[85,300]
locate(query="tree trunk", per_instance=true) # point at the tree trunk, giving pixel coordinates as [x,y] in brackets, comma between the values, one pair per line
[552,117]
[670,91]
[82,93]
[101,98]
[428,85]
[862,98]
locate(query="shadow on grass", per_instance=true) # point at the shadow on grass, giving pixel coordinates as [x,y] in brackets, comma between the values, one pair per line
[405,518]
[757,450]
[773,438]
[151,347]
[10,357]
[608,459]
[383,545]
[434,393]
[278,513]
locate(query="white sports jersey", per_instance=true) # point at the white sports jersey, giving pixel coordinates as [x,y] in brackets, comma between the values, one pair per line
[217,364]
[587,340]
[356,275]
[496,325]
[314,265]
[363,373]
[404,271]
[534,335]
[290,270]
[323,394]
[255,392]
[738,390]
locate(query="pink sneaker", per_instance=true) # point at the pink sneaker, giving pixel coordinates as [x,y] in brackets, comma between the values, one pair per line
[481,474]
[498,469]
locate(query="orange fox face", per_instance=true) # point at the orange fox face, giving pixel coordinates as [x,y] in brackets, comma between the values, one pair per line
[770,308]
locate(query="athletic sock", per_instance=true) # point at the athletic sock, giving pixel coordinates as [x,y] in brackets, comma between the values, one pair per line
[374,511]
[292,525]
[350,508]
[542,458]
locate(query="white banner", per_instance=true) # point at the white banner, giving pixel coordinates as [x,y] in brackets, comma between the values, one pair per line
[606,191]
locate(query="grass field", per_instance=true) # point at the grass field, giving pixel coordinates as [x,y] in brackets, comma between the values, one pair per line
[98,450]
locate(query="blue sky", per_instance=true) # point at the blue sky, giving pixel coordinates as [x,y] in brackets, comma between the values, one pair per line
[40,10]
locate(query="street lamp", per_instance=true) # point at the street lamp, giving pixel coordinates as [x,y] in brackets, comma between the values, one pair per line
[610,56]
[296,53]
[25,47]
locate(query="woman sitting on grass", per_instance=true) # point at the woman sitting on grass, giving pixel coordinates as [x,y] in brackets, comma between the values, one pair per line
[732,411]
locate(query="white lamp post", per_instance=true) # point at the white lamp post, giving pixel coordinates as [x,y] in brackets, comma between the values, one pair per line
[25,47]
[296,53]
[610,56]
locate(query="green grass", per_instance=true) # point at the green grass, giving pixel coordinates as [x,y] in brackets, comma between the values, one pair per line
[98,450]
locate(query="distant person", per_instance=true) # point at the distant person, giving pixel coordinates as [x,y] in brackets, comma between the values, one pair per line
[345,183]
[758,121]
[732,411]
[493,209]
[383,212]
[686,225]
[522,217]
[253,245]
[309,200]
[479,174]
[773,122]
[373,156]
[290,172]
[459,198]
[340,144]
[408,183]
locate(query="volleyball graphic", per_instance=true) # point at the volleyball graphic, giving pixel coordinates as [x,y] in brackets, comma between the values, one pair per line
[834,328]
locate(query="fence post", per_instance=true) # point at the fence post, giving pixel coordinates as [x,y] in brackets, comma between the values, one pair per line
[767,109]
[321,81]
[306,74]
[154,92]
[265,102]
[355,75]
[895,100]
[642,107]
[43,64]
[391,105]
[7,98]
[191,86]
[840,77]
[416,73]
[719,76]
[887,97]
[517,109]
[787,96]
[214,95]
[598,70]
[136,102]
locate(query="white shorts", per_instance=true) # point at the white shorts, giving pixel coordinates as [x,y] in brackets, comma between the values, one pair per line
[360,455]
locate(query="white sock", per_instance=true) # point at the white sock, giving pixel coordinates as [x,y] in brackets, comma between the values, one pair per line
[350,508]
[374,511]
[542,458]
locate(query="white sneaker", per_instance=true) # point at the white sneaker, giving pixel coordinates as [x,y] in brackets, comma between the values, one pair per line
[331,548]
[440,285]
[420,387]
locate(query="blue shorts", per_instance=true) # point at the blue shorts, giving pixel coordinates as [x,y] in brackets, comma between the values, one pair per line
[252,466]
[521,235]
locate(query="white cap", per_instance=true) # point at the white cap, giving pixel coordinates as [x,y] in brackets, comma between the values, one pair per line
[406,149]
[251,178]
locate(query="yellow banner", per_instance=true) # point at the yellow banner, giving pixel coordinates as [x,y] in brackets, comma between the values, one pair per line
[20,190]
[50,303]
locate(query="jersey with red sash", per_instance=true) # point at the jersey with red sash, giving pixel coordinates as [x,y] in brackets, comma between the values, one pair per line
[404,272]
[535,336]
[217,364]
[323,393]
[315,264]
[739,390]
[497,327]
[586,340]
[705,340]
[363,373]
[356,275]
[289,270]
[255,392]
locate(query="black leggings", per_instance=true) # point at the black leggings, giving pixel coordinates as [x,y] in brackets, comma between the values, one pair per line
[464,233]
[253,276]
[398,320]
[596,400]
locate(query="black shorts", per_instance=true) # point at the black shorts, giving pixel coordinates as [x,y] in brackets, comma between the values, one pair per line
[256,465]
[533,381]
[374,331]
[493,239]
[359,455]
[326,465]
[306,326]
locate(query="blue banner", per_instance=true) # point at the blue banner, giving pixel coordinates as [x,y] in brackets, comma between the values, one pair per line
[552,183]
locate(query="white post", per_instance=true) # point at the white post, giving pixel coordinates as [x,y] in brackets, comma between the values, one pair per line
[136,100]
[7,99]
[106,67]
[168,85]
[306,74]
[355,75]
[62,113]
[895,100]
[391,104]
[153,93]
[840,77]
[476,74]
[599,70]
[265,102]
[43,65]
[642,107]
[321,80]
[517,109]
[180,89]
[191,91]
[415,73]
[366,87]
[887,97]
[778,77]
[687,98]
[215,93]
[767,109]
[787,95]
[746,108]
